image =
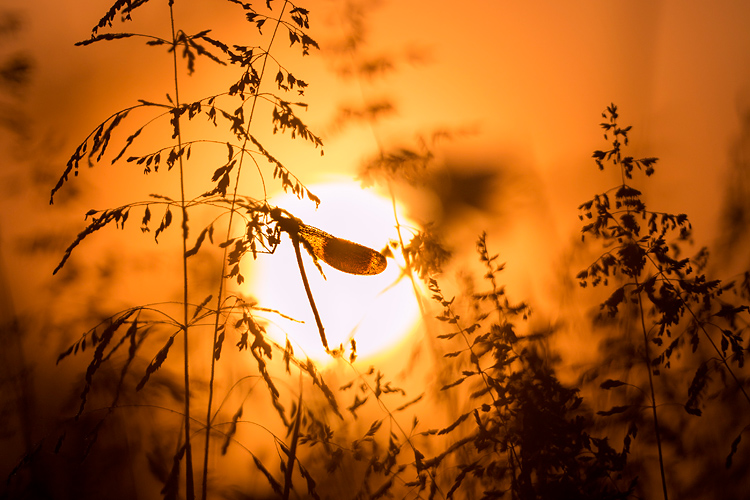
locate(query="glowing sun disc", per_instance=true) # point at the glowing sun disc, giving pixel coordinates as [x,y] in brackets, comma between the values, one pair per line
[377,311]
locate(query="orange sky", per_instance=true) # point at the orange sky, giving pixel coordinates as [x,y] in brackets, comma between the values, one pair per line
[530,79]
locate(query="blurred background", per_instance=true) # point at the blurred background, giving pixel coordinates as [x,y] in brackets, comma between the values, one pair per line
[503,100]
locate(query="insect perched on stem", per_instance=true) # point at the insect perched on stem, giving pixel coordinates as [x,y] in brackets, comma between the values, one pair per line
[339,253]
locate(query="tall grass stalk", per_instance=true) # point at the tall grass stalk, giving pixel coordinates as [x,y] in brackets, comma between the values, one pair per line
[224,259]
[189,482]
[674,303]
[647,361]
[257,235]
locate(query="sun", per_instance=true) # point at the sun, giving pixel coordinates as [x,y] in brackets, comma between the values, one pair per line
[378,312]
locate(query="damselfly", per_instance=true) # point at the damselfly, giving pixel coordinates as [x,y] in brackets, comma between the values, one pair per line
[339,253]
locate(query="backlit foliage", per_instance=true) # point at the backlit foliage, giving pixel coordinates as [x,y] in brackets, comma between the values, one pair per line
[525,435]
[493,420]
[673,302]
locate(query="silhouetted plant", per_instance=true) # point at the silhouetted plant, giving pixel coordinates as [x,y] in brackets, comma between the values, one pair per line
[672,302]
[521,433]
[130,338]
[136,330]
[525,434]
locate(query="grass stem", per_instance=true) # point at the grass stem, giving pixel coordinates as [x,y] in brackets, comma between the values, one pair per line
[220,295]
[189,483]
[653,392]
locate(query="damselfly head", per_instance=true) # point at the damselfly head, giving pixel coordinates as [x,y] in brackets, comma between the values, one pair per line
[285,221]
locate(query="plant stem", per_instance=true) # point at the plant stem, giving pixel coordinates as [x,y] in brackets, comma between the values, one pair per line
[293,446]
[295,241]
[219,298]
[653,392]
[513,459]
[189,484]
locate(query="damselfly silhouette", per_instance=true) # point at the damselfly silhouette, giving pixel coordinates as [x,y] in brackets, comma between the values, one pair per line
[339,253]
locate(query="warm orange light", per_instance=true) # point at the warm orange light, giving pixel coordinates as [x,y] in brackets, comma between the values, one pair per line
[377,311]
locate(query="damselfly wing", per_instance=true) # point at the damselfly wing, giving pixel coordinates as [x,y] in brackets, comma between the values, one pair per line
[342,254]
[338,253]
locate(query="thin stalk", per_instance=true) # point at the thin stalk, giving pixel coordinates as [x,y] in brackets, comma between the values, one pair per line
[618,161]
[512,453]
[219,298]
[407,261]
[513,460]
[293,447]
[653,393]
[295,240]
[189,484]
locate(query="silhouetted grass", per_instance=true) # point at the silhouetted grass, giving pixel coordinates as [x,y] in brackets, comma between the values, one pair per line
[666,297]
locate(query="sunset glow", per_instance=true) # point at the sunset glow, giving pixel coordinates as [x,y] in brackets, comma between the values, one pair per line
[568,182]
[376,311]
